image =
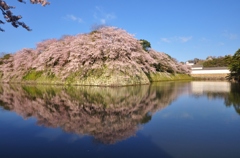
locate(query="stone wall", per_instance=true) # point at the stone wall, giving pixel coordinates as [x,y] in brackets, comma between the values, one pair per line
[210,74]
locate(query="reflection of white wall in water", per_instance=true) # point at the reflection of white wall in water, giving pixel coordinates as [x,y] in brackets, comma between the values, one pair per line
[200,87]
[210,71]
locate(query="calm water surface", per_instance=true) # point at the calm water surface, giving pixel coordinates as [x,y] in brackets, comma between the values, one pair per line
[168,119]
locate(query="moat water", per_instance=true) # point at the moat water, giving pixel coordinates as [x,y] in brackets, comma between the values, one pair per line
[166,119]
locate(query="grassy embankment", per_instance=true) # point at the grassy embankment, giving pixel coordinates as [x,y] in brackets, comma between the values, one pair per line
[221,77]
[99,77]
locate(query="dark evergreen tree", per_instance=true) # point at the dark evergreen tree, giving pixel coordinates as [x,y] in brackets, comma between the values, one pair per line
[235,67]
[145,44]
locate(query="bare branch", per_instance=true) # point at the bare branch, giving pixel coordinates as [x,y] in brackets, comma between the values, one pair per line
[24,26]
[22,1]
[5,6]
[13,19]
[43,2]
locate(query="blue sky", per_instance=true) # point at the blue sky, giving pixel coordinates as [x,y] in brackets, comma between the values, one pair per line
[184,29]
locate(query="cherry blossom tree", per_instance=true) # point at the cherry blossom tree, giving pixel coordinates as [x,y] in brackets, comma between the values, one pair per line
[107,53]
[14,19]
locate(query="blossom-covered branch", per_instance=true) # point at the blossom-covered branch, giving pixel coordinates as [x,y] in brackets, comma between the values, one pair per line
[13,19]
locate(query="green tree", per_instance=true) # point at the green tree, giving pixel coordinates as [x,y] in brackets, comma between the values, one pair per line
[217,61]
[145,44]
[235,67]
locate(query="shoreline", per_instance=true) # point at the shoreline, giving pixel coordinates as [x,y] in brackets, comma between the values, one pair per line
[210,77]
[158,77]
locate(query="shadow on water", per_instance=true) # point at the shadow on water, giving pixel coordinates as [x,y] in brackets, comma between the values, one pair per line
[106,113]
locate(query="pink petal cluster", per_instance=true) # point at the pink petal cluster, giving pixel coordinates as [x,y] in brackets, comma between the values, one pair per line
[109,47]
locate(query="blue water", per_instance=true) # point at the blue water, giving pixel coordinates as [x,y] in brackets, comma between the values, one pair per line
[168,119]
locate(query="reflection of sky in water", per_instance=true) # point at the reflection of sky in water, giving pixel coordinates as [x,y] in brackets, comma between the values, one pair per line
[50,135]
[195,125]
[171,120]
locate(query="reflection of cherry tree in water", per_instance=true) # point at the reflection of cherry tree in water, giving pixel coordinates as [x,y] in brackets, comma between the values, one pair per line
[107,114]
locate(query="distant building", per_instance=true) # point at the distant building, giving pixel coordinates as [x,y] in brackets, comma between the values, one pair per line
[197,67]
[189,63]
[201,72]
[210,70]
